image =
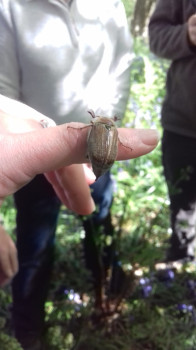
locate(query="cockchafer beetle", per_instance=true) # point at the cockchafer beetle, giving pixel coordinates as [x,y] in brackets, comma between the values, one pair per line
[102,143]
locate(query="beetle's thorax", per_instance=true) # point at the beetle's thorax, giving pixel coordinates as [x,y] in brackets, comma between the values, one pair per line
[103,120]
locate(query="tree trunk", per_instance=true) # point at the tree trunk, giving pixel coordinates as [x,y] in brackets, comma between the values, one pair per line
[142,13]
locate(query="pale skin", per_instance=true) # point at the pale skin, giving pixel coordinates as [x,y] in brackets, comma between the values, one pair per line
[192,30]
[27,149]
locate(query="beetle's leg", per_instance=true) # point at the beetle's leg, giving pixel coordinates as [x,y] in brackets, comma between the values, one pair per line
[82,127]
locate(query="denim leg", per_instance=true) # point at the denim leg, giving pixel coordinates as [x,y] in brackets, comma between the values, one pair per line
[37,212]
[102,193]
[97,225]
[180,172]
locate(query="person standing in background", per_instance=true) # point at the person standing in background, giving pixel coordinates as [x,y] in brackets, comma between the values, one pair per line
[61,58]
[172,35]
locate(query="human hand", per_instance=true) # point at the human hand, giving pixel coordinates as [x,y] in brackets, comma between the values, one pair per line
[192,30]
[19,118]
[57,151]
[8,258]
[25,155]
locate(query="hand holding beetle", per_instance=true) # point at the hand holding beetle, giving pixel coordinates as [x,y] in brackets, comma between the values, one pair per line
[58,152]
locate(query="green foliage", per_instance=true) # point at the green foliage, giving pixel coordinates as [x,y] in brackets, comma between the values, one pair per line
[8,343]
[8,215]
[129,7]
[147,87]
[141,203]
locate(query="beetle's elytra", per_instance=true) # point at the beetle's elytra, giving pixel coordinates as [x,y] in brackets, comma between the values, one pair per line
[102,143]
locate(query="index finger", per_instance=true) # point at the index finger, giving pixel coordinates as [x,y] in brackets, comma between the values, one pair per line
[50,149]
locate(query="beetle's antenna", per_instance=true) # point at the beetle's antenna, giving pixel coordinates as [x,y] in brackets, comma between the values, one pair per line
[115,118]
[92,113]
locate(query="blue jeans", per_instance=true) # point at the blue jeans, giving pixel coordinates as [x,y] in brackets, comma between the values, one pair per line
[37,213]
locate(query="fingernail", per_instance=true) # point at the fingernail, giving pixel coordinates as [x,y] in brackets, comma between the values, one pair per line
[149,137]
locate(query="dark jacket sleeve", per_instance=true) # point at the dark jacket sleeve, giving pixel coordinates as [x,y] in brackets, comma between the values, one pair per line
[168,35]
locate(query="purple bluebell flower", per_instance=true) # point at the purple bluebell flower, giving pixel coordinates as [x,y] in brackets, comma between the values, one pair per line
[146,288]
[66,292]
[182,307]
[185,308]
[146,291]
[144,280]
[166,276]
[170,274]
[190,308]
[191,284]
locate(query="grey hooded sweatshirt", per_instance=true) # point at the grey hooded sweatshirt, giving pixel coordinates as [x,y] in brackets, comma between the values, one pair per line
[63,57]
